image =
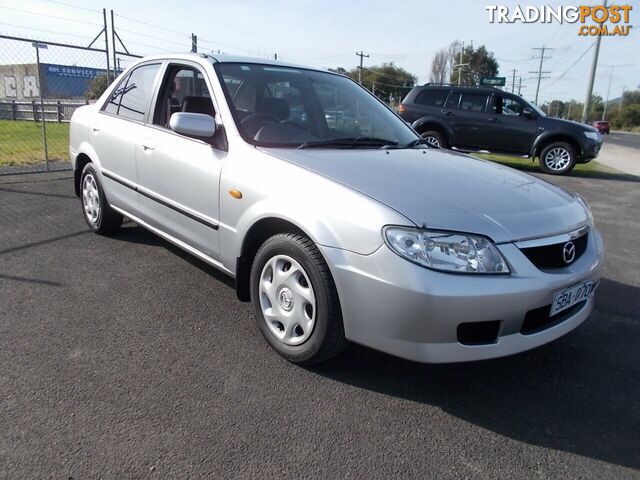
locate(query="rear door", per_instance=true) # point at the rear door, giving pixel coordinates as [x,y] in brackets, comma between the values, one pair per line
[513,132]
[470,121]
[429,101]
[115,131]
[179,176]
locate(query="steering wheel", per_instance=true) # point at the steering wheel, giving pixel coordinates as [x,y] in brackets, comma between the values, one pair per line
[256,121]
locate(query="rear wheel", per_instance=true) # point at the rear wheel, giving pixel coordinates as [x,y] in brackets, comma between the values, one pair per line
[295,301]
[100,217]
[434,138]
[558,158]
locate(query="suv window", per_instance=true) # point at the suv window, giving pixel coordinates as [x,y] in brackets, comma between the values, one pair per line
[453,101]
[511,107]
[136,93]
[432,97]
[473,102]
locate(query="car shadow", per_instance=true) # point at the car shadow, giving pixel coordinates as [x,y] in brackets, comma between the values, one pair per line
[579,394]
[576,173]
[133,233]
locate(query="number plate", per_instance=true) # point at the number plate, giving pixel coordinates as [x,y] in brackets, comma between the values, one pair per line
[570,296]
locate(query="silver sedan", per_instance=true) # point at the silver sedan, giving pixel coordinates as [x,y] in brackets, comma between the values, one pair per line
[335,230]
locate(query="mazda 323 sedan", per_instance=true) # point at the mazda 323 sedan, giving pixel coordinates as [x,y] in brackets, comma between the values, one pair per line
[335,230]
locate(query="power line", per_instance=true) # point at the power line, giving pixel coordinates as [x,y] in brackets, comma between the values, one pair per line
[57,17]
[75,6]
[572,65]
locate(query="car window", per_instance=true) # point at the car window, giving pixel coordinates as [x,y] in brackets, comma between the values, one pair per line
[473,102]
[112,105]
[136,93]
[432,97]
[453,101]
[184,89]
[511,107]
[286,107]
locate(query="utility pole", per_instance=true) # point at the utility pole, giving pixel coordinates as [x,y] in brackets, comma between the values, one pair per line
[460,65]
[540,72]
[520,86]
[513,80]
[275,56]
[569,113]
[606,102]
[592,77]
[621,99]
[362,56]
[194,43]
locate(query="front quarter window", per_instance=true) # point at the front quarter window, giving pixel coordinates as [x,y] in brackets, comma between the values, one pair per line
[290,107]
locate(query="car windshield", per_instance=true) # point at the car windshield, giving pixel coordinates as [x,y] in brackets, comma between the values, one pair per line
[276,106]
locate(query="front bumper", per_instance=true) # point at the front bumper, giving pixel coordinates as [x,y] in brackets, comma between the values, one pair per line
[590,149]
[395,306]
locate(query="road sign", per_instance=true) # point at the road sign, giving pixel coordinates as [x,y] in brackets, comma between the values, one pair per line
[493,81]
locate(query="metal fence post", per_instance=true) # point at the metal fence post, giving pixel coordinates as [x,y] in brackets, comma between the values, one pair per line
[59,111]
[13,110]
[44,120]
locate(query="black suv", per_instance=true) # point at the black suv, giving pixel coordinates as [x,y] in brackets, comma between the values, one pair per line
[488,119]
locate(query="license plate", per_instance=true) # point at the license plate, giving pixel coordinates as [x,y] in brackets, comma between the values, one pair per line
[570,296]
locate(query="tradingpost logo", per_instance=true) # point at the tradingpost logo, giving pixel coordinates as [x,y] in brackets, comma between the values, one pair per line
[594,20]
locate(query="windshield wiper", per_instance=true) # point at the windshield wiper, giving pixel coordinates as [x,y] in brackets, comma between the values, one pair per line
[350,142]
[418,141]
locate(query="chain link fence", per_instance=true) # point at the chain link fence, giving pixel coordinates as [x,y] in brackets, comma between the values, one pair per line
[41,85]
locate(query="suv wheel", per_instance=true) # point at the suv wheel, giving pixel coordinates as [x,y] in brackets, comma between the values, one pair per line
[558,158]
[295,301]
[434,138]
[97,212]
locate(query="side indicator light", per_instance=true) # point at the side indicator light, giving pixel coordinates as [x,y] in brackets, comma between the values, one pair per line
[235,193]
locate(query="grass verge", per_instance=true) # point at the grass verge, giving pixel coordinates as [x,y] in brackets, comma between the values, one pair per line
[21,142]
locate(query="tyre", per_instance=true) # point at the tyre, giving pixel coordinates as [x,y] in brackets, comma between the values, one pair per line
[295,300]
[97,213]
[558,158]
[434,138]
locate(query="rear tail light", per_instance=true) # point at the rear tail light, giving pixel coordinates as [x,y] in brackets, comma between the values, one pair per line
[402,108]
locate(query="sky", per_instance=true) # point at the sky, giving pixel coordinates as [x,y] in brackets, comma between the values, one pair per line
[328,33]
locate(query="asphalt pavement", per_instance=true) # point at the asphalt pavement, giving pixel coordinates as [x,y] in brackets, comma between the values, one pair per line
[123,357]
[623,139]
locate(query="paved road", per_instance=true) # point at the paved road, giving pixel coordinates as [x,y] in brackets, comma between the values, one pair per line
[123,357]
[629,140]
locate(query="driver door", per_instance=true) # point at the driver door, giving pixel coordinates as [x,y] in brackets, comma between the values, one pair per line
[179,176]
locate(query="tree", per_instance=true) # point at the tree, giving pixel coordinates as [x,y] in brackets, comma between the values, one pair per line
[96,87]
[628,117]
[440,67]
[386,81]
[481,63]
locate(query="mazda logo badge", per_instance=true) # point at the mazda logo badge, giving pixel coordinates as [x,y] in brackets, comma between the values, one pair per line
[568,252]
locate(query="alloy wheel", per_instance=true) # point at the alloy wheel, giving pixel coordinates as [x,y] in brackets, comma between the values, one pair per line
[91,199]
[557,159]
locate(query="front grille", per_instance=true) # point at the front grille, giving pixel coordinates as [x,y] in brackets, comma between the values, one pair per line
[549,257]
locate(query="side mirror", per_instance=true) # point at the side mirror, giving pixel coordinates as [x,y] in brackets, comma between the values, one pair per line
[193,124]
[528,112]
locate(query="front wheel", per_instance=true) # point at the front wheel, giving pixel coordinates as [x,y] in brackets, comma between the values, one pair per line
[295,301]
[558,158]
[434,138]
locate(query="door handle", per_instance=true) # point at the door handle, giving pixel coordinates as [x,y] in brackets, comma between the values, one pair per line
[95,129]
[493,119]
[147,148]
[447,113]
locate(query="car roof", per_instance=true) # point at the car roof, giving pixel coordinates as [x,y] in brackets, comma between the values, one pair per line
[225,58]
[460,88]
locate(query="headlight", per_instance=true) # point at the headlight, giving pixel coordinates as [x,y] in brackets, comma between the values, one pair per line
[446,251]
[592,135]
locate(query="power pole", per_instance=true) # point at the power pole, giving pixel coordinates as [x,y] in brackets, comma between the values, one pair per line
[513,80]
[460,65]
[194,43]
[621,99]
[362,56]
[520,86]
[606,102]
[540,72]
[592,77]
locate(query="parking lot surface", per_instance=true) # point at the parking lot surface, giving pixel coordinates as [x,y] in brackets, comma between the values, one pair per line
[124,357]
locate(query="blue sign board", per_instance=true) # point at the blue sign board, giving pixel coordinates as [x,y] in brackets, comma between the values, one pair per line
[67,80]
